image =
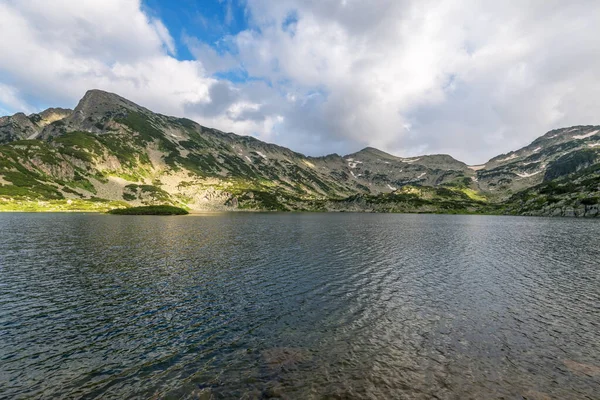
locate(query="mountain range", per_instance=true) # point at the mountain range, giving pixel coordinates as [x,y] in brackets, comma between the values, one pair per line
[109,152]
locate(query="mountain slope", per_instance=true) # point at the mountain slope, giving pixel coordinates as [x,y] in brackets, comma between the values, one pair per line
[21,126]
[575,194]
[557,153]
[111,148]
[111,152]
[383,172]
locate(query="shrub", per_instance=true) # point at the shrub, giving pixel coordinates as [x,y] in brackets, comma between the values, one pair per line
[150,210]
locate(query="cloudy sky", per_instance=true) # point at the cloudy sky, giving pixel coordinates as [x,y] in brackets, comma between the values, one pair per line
[469,78]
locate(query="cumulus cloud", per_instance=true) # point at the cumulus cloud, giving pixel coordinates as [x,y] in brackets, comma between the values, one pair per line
[470,78]
[10,98]
[212,60]
[463,77]
[164,35]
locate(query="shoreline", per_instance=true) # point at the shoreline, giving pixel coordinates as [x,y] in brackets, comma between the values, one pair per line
[213,212]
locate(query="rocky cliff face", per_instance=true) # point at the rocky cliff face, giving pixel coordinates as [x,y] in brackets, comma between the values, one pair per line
[21,126]
[109,148]
[570,194]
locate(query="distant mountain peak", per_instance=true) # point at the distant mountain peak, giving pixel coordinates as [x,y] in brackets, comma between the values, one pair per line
[92,94]
[96,100]
[370,151]
[20,126]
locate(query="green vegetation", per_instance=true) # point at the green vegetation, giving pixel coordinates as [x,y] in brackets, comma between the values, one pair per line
[146,191]
[82,140]
[150,210]
[29,150]
[200,166]
[462,182]
[474,195]
[64,205]
[420,199]
[129,197]
[577,193]
[142,125]
[26,184]
[118,146]
[147,130]
[262,200]
[82,183]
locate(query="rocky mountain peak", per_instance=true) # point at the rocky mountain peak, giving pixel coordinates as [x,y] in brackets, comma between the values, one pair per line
[370,152]
[94,109]
[50,115]
[99,102]
[20,126]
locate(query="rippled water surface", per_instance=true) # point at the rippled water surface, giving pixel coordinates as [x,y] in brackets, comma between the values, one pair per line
[299,306]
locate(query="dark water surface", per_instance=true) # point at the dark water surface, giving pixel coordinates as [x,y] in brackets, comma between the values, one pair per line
[299,306]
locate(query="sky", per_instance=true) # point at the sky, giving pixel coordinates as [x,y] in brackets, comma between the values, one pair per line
[468,78]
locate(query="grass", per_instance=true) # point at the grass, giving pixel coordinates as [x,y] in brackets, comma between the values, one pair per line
[147,131]
[64,205]
[81,182]
[150,210]
[26,184]
[420,199]
[474,195]
[119,146]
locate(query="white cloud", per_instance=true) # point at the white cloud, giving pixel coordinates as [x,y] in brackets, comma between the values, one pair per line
[228,12]
[9,96]
[164,35]
[471,78]
[212,61]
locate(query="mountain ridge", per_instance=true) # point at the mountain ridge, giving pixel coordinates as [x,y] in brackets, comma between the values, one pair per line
[92,96]
[113,150]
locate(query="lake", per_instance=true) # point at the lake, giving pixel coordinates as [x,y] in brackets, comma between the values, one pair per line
[257,305]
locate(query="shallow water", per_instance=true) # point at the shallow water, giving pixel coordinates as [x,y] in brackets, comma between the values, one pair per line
[299,306]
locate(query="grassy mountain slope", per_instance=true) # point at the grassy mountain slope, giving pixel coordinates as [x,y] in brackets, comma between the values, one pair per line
[109,152]
[538,162]
[576,194]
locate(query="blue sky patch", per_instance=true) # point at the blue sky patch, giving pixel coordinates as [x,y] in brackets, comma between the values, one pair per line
[207,20]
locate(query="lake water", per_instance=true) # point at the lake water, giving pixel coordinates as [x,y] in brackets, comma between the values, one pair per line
[245,305]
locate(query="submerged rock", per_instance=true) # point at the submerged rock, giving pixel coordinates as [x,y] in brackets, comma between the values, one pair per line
[535,395]
[582,368]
